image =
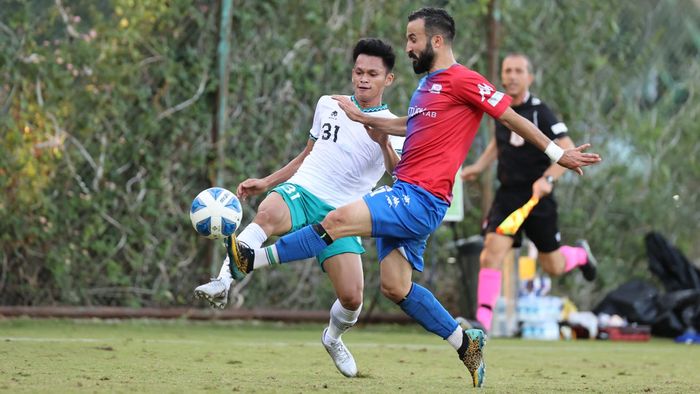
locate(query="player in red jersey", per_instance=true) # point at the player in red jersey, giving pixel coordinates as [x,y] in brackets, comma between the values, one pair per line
[442,120]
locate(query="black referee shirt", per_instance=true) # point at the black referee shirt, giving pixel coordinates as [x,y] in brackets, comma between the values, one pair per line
[519,162]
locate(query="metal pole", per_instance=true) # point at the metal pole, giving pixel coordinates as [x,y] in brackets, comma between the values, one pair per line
[221,124]
[223,70]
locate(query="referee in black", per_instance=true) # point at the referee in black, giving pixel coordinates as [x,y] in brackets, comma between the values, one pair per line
[523,171]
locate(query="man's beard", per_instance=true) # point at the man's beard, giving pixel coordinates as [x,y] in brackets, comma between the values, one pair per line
[425,60]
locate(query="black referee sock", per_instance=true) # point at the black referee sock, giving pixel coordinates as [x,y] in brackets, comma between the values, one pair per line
[322,233]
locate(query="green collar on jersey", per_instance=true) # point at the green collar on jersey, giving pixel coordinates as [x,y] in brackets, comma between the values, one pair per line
[378,108]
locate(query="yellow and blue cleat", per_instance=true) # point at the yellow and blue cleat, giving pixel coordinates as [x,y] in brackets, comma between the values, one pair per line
[240,257]
[471,354]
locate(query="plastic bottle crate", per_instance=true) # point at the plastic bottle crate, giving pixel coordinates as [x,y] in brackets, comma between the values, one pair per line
[539,317]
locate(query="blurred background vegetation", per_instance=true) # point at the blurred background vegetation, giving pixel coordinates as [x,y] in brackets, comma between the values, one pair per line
[108,113]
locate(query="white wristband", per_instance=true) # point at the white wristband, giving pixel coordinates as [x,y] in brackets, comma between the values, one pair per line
[554,151]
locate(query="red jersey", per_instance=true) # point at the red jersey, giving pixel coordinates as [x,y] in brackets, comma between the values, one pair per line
[443,118]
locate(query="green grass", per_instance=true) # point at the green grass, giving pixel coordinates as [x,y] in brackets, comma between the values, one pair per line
[182,356]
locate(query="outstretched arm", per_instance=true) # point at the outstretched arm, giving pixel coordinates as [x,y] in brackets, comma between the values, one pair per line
[542,186]
[393,126]
[555,170]
[255,186]
[573,158]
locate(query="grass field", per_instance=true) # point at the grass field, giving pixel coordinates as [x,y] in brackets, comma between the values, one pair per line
[183,356]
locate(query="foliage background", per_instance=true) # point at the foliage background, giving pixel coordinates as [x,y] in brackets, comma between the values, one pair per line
[107,112]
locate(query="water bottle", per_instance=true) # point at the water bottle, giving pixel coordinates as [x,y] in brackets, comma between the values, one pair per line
[500,321]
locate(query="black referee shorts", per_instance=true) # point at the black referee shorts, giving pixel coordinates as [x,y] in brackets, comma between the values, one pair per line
[540,226]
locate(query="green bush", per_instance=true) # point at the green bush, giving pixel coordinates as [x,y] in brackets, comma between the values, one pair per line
[107,111]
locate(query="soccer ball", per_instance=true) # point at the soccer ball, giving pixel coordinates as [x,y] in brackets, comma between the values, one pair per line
[216,213]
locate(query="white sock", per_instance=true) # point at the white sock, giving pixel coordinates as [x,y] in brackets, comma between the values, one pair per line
[225,274]
[252,235]
[266,256]
[341,320]
[455,339]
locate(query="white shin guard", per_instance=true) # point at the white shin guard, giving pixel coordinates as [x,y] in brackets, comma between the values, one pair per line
[341,319]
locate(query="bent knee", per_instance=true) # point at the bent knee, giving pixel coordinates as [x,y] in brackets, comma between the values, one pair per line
[393,292]
[351,301]
[334,221]
[269,217]
[491,260]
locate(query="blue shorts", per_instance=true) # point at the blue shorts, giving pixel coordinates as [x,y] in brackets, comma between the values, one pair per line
[403,217]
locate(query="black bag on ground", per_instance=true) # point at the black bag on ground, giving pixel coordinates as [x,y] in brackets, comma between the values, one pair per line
[677,312]
[634,300]
[670,314]
[670,265]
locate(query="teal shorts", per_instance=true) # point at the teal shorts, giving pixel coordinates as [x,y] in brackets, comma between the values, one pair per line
[307,209]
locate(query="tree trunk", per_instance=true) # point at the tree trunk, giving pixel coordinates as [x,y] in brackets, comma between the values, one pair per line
[492,47]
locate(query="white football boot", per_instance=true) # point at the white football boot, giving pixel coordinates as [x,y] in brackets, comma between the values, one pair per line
[216,292]
[340,354]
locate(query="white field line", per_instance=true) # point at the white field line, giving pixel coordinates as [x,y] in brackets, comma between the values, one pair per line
[97,340]
[536,346]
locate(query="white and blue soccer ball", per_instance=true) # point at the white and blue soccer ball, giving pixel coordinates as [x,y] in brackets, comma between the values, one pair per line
[216,213]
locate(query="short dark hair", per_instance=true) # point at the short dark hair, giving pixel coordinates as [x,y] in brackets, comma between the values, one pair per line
[375,47]
[437,21]
[524,56]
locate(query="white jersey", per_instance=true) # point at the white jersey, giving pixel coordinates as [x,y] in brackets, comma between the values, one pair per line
[345,163]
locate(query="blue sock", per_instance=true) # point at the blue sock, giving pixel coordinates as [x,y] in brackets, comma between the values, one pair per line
[424,308]
[301,244]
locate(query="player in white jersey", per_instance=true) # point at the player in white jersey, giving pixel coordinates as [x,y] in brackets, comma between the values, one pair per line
[345,162]
[341,162]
